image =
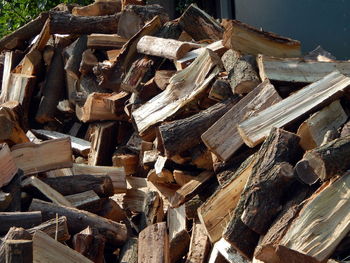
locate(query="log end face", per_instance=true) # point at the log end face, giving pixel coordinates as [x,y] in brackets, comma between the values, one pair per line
[305,172]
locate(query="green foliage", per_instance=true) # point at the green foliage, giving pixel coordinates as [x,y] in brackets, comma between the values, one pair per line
[15,13]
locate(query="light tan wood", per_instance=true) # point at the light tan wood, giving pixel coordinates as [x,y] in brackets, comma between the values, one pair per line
[105,41]
[98,8]
[49,155]
[55,228]
[255,129]
[313,130]
[8,164]
[182,178]
[199,245]
[129,162]
[46,249]
[193,81]
[163,176]
[247,39]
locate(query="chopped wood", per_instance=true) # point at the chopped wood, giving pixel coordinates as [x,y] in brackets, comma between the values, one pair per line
[19,251]
[228,252]
[105,41]
[5,200]
[34,158]
[8,164]
[88,62]
[162,78]
[72,65]
[199,245]
[295,106]
[220,90]
[19,219]
[247,39]
[129,251]
[55,228]
[129,162]
[100,8]
[111,210]
[14,189]
[87,200]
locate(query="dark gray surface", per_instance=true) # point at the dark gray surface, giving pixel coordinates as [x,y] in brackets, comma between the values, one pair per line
[313,22]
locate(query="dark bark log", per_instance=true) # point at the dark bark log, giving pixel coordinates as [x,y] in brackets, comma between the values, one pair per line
[19,219]
[73,63]
[220,90]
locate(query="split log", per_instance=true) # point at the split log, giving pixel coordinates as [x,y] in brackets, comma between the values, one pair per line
[324,162]
[173,98]
[153,210]
[298,70]
[88,62]
[216,257]
[166,48]
[153,244]
[65,23]
[222,137]
[199,245]
[105,41]
[87,200]
[229,253]
[55,228]
[100,8]
[129,252]
[7,162]
[115,233]
[19,251]
[90,244]
[129,162]
[72,65]
[19,219]
[79,146]
[199,25]
[182,177]
[290,109]
[181,135]
[14,189]
[111,210]
[220,90]
[34,158]
[247,39]
[313,130]
[162,78]
[46,249]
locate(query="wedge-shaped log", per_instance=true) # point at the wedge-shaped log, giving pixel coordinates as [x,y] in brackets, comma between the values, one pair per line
[297,69]
[77,220]
[9,168]
[34,158]
[222,137]
[247,39]
[255,129]
[313,130]
[183,88]
[199,245]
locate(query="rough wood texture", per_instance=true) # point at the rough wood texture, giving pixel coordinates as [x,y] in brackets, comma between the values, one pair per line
[14,189]
[72,65]
[181,135]
[313,130]
[77,220]
[65,23]
[105,41]
[222,137]
[229,253]
[19,219]
[199,245]
[100,8]
[290,109]
[324,162]
[19,251]
[199,25]
[220,90]
[128,253]
[87,200]
[34,158]
[7,162]
[298,70]
[193,81]
[153,244]
[247,39]
[55,228]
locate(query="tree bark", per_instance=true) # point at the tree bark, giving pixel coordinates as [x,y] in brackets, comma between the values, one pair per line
[19,219]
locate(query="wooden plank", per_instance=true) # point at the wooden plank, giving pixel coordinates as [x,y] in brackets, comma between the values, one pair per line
[255,129]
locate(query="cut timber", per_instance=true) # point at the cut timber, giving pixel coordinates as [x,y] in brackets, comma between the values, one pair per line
[98,8]
[183,88]
[56,228]
[79,146]
[73,63]
[324,162]
[7,164]
[14,189]
[153,244]
[129,162]
[222,137]
[48,191]
[19,251]
[298,70]
[34,158]
[323,219]
[87,200]
[88,62]
[103,106]
[115,233]
[105,41]
[220,90]
[19,219]
[163,176]
[166,48]
[189,190]
[111,210]
[247,39]
[162,77]
[313,130]
[228,252]
[255,129]
[65,23]
[271,178]
[199,25]
[183,134]
[216,212]
[46,249]
[128,253]
[199,245]
[153,210]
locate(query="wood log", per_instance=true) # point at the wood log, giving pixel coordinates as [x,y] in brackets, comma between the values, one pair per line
[19,219]
[87,200]
[313,130]
[55,228]
[222,137]
[162,78]
[217,210]
[9,169]
[181,135]
[14,189]
[324,162]
[129,251]
[216,257]
[100,8]
[79,146]
[199,245]
[228,252]
[129,162]
[64,23]
[298,70]
[5,200]
[302,102]
[72,65]
[24,33]
[6,73]
[19,251]
[153,244]
[220,90]
[199,25]
[88,62]
[247,39]
[115,233]
[153,209]
[34,158]
[90,244]
[105,41]
[183,177]
[111,210]
[46,249]
[172,99]
[131,2]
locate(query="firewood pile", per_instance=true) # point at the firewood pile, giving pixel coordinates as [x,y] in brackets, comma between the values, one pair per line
[127,137]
